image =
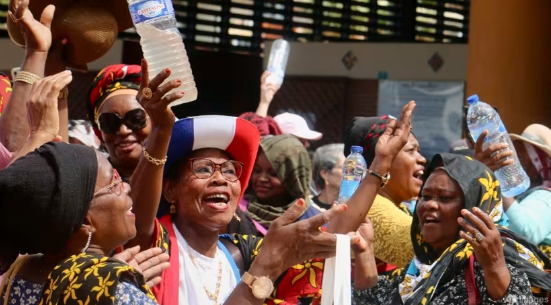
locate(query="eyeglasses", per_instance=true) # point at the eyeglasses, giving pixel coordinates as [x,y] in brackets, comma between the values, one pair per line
[110,123]
[205,168]
[116,181]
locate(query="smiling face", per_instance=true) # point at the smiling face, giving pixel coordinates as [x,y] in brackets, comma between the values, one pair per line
[265,182]
[124,147]
[110,212]
[205,203]
[438,209]
[406,171]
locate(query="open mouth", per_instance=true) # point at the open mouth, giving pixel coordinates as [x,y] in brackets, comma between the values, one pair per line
[217,201]
[430,220]
[418,175]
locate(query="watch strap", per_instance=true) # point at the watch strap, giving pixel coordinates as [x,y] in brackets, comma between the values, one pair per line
[248,278]
[384,179]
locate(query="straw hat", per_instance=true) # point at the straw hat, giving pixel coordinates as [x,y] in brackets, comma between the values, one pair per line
[90,26]
[537,135]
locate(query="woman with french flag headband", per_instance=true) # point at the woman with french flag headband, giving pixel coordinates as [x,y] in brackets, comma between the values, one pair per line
[208,161]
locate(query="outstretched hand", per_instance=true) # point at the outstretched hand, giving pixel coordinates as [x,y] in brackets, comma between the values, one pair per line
[288,243]
[38,37]
[156,103]
[396,135]
[42,110]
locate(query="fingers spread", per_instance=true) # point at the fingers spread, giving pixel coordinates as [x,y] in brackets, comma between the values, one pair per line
[127,254]
[159,79]
[145,75]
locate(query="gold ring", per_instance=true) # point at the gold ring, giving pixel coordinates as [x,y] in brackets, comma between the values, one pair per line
[479,237]
[147,93]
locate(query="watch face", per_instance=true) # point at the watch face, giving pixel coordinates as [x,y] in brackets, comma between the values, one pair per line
[262,287]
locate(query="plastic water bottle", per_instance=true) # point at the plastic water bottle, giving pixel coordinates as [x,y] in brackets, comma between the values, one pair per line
[162,44]
[480,117]
[277,63]
[353,171]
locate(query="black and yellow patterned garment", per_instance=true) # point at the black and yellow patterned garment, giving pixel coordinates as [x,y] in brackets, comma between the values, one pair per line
[430,279]
[90,279]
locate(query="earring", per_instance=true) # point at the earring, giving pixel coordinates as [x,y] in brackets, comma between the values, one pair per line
[173,207]
[236,216]
[88,242]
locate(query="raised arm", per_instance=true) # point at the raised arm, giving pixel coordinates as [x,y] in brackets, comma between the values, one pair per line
[38,39]
[147,180]
[267,93]
[42,114]
[389,145]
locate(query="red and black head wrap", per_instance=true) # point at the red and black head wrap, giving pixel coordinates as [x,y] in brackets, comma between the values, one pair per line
[365,132]
[266,126]
[108,80]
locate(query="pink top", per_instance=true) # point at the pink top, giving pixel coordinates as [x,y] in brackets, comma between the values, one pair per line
[5,156]
[243,205]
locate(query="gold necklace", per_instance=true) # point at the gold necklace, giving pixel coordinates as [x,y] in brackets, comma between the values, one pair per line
[212,296]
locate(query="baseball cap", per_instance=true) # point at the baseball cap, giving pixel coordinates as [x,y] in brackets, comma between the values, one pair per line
[296,125]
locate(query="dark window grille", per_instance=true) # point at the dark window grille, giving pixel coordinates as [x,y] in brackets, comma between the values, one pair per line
[241,26]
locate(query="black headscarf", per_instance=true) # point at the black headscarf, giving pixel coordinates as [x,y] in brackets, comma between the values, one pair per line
[480,189]
[365,132]
[45,195]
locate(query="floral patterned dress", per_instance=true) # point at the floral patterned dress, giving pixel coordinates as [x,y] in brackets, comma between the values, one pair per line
[450,293]
[27,293]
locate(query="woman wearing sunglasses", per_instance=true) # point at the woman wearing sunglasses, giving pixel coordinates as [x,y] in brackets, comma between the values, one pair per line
[118,119]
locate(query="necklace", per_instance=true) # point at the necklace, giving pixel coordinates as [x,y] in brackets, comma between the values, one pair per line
[212,296]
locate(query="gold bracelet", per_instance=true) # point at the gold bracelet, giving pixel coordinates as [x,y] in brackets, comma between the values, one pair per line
[63,94]
[26,77]
[153,160]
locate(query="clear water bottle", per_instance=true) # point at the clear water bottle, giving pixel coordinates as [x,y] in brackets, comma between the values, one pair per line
[353,171]
[277,63]
[481,117]
[162,44]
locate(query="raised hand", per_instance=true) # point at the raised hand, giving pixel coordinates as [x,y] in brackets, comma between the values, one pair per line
[495,156]
[288,243]
[488,250]
[267,90]
[154,99]
[38,37]
[42,110]
[396,135]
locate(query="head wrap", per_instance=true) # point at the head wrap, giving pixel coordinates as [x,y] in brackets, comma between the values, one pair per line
[108,80]
[45,195]
[480,189]
[365,132]
[5,92]
[266,126]
[82,130]
[291,162]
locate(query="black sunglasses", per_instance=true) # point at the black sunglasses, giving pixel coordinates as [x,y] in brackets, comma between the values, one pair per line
[110,123]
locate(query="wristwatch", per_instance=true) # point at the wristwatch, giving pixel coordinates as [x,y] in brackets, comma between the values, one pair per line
[261,287]
[384,179]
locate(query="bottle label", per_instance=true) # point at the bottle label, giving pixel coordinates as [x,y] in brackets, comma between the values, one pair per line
[150,9]
[502,127]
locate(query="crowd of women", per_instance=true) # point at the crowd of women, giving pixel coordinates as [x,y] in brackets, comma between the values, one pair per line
[233,210]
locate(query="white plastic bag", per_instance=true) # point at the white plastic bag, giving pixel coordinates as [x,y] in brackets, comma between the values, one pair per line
[336,275]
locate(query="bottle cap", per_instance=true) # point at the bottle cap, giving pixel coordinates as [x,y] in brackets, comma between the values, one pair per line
[472,99]
[357,149]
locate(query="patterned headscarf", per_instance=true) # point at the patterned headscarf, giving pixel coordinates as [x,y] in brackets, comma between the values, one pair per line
[291,162]
[109,80]
[541,161]
[266,126]
[5,92]
[480,189]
